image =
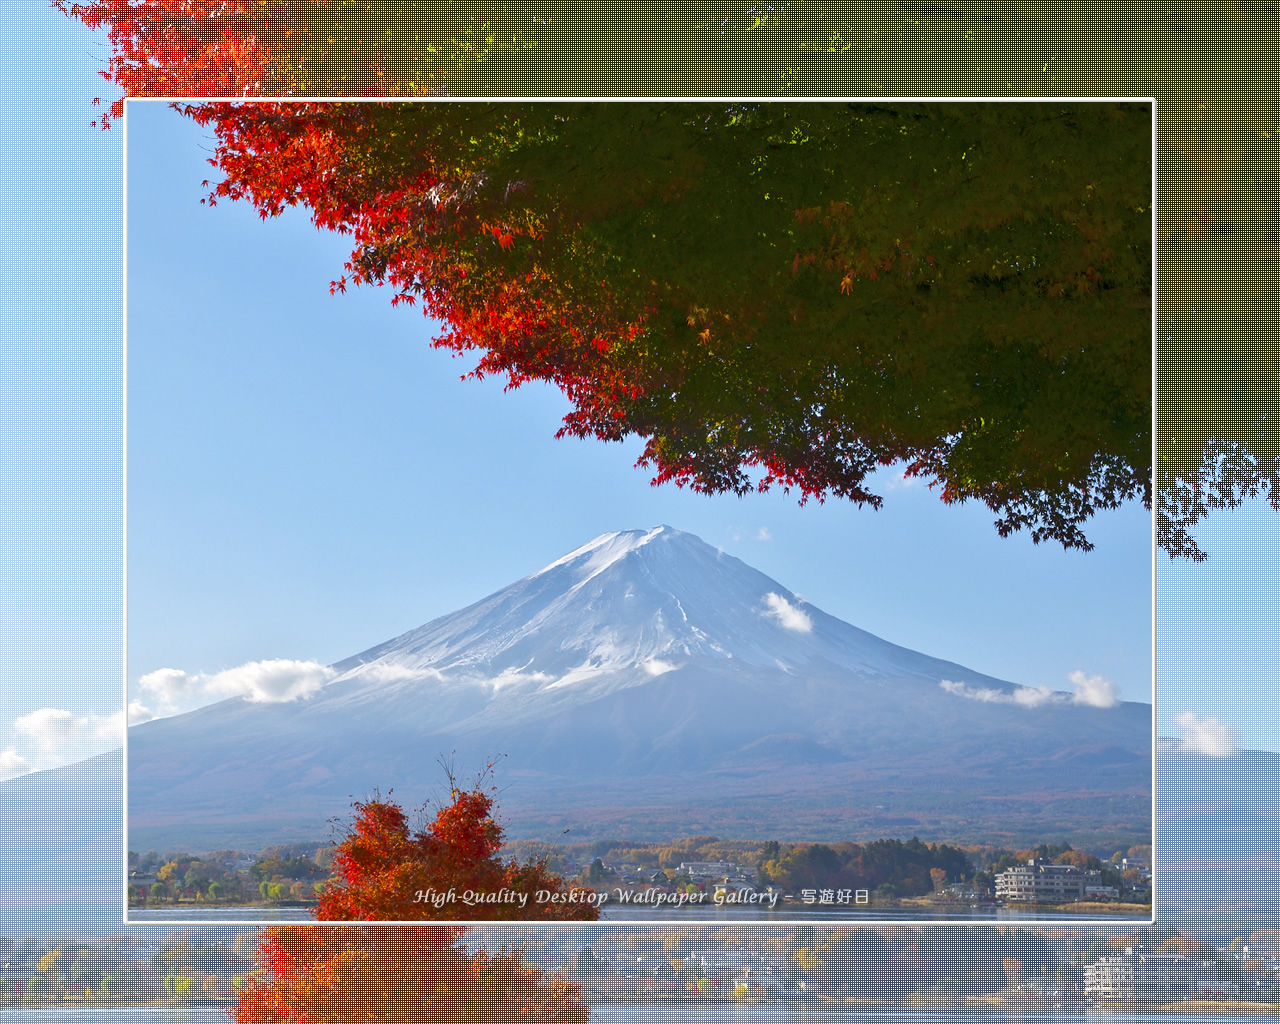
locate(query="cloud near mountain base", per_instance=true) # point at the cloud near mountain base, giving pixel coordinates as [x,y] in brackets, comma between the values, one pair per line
[273,681]
[55,731]
[51,737]
[1093,691]
[1208,736]
[12,764]
[787,615]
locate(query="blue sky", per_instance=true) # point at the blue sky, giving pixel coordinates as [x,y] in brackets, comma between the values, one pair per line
[308,477]
[61,488]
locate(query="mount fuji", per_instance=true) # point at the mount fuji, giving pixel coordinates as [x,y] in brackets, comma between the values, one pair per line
[647,685]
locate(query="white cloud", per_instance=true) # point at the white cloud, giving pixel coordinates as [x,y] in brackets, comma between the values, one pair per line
[389,672]
[54,731]
[46,728]
[787,615]
[138,713]
[274,681]
[1034,696]
[13,764]
[895,478]
[515,677]
[173,689]
[982,693]
[1207,736]
[51,737]
[1094,690]
[987,694]
[263,682]
[657,667]
[764,534]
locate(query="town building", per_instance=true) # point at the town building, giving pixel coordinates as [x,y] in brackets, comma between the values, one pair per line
[704,869]
[1135,864]
[1038,881]
[1142,976]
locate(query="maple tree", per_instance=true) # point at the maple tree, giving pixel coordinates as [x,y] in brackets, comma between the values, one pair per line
[449,870]
[771,295]
[282,48]
[1217,407]
[335,975]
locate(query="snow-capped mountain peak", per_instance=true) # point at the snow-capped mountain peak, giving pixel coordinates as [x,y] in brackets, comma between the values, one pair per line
[621,610]
[599,554]
[643,654]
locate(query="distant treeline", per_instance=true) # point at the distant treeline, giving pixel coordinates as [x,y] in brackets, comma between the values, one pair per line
[891,868]
[887,866]
[889,963]
[894,867]
[290,872]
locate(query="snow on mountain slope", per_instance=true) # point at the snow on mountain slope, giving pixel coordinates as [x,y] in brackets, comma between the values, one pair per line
[647,600]
[645,666]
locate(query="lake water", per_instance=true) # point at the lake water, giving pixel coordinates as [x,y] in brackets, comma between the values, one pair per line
[837,914]
[217,915]
[115,1015]
[712,1013]
[693,913]
[722,1013]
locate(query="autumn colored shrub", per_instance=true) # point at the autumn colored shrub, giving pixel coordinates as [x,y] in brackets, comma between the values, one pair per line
[337,975]
[450,870]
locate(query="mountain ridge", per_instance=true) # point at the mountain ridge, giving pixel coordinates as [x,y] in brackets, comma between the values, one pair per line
[486,625]
[647,667]
[63,850]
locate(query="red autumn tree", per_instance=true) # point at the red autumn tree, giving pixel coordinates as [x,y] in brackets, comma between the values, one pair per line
[1217,403]
[336,975]
[450,870]
[283,48]
[769,295]
[1080,859]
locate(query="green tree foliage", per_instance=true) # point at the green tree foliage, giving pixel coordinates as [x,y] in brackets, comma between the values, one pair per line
[85,971]
[900,963]
[771,295]
[292,868]
[416,49]
[597,874]
[194,952]
[1218,405]
[906,867]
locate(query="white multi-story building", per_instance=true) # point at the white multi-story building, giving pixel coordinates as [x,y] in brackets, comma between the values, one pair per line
[1142,976]
[1038,881]
[697,869]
